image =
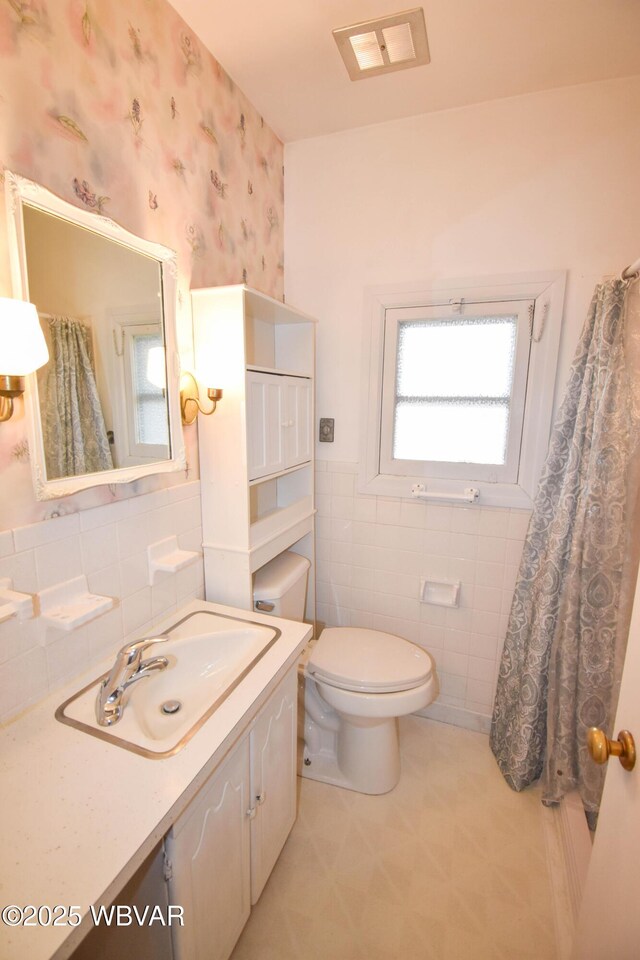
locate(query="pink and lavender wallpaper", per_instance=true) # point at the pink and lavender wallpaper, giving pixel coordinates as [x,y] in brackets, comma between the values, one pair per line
[119,108]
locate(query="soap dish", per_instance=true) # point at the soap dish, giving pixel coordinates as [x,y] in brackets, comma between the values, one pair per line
[442,593]
[12,603]
[70,605]
[165,556]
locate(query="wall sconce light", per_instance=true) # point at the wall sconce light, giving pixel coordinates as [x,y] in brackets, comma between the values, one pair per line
[189,394]
[22,350]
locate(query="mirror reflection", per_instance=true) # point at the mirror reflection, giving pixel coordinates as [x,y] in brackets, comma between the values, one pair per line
[102,396]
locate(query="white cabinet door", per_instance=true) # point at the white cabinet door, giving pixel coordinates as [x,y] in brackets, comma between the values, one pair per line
[273,779]
[298,419]
[265,425]
[278,422]
[208,848]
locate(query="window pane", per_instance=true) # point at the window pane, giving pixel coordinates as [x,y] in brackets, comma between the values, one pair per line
[464,432]
[465,357]
[151,404]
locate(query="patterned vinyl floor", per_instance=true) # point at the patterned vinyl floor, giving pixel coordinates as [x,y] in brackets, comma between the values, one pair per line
[451,865]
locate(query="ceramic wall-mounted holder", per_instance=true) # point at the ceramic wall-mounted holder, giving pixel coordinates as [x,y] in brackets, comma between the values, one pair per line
[468,495]
[165,556]
[14,604]
[442,593]
[69,605]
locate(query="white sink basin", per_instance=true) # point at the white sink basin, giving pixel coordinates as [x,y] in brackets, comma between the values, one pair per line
[208,654]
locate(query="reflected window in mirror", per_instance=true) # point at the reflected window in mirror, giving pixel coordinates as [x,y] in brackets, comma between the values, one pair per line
[146,380]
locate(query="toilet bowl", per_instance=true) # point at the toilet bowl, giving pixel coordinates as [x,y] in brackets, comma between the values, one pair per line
[355,683]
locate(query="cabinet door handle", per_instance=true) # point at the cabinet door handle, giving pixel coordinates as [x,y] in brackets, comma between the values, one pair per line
[260,798]
[251,812]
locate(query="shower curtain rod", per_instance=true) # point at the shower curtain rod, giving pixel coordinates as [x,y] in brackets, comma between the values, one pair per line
[632,271]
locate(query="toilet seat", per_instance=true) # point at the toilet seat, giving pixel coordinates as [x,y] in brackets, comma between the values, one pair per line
[368,661]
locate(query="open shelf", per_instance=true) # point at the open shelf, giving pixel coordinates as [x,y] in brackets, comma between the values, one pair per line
[268,495]
[270,539]
[278,339]
[280,473]
[279,520]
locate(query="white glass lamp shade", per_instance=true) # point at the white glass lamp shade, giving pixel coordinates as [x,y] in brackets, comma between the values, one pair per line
[22,345]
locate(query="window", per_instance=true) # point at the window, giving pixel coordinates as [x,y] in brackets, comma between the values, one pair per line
[454,383]
[148,388]
[461,388]
[141,424]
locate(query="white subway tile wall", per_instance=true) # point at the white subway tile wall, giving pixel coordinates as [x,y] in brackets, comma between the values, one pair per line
[371,553]
[109,545]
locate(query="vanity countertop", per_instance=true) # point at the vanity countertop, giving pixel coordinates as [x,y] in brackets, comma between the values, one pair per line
[80,815]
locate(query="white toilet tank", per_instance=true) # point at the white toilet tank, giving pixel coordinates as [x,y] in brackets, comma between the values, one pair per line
[283,583]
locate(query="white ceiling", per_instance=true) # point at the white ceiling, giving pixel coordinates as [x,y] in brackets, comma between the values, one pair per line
[282,54]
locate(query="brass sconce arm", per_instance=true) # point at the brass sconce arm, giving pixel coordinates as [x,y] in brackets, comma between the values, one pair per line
[189,394]
[10,387]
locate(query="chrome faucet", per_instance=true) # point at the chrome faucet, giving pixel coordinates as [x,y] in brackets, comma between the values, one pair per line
[129,667]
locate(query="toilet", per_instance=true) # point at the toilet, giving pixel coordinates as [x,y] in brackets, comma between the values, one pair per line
[356,683]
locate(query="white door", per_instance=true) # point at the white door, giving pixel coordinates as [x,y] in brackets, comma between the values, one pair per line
[273,779]
[297,420]
[265,419]
[208,848]
[609,922]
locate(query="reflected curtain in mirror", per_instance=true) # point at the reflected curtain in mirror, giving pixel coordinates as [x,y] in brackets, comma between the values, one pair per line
[73,428]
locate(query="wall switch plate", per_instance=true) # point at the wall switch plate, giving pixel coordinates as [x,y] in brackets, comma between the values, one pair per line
[326,429]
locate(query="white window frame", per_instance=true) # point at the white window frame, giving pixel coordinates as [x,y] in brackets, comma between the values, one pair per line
[136,450]
[124,322]
[546,290]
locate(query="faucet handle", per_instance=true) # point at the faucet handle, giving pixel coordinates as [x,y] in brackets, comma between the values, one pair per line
[132,652]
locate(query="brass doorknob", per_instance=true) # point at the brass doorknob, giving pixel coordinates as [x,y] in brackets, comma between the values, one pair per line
[601,748]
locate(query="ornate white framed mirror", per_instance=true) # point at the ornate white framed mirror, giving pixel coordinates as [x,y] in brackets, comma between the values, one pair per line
[105,409]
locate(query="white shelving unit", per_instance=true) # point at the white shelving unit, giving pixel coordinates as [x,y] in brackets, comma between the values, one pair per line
[257,450]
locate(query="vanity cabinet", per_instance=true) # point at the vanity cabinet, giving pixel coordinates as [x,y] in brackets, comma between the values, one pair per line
[222,849]
[273,745]
[209,858]
[257,451]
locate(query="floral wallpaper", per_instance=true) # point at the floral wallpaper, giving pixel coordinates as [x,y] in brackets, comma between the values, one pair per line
[118,107]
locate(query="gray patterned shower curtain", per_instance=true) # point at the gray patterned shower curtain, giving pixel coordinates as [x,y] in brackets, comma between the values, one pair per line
[74,434]
[567,631]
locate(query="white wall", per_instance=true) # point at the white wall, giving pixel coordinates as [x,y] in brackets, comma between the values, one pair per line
[542,182]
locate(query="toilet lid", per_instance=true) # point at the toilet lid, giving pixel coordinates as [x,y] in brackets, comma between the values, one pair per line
[368,660]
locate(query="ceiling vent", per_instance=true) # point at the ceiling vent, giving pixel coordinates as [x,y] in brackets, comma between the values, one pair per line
[379,46]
